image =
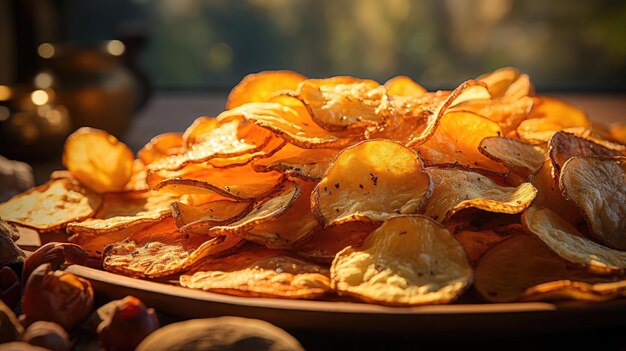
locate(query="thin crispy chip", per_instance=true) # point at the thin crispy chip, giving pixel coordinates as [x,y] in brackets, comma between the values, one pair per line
[98,160]
[457,189]
[51,206]
[307,164]
[259,272]
[294,225]
[566,241]
[338,103]
[456,141]
[508,82]
[203,216]
[617,132]
[507,112]
[403,86]
[476,243]
[549,116]
[409,260]
[598,188]
[325,243]
[200,130]
[564,145]
[549,194]
[519,157]
[260,87]
[160,146]
[263,211]
[241,183]
[373,180]
[228,140]
[523,268]
[155,254]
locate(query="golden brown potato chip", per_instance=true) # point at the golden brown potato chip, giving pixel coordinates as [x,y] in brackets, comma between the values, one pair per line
[307,164]
[294,225]
[200,130]
[274,145]
[137,181]
[409,260]
[338,103]
[549,194]
[122,210]
[617,132]
[434,111]
[259,272]
[241,183]
[260,87]
[203,216]
[507,112]
[228,140]
[523,268]
[160,146]
[263,211]
[324,244]
[155,254]
[507,82]
[403,86]
[373,180]
[456,141]
[598,188]
[98,160]
[519,157]
[457,189]
[567,242]
[564,145]
[51,206]
[549,116]
[476,243]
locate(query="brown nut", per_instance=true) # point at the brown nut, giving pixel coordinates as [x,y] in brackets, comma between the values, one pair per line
[127,324]
[10,327]
[48,335]
[55,254]
[10,287]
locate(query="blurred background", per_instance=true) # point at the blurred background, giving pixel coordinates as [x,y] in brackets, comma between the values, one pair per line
[141,67]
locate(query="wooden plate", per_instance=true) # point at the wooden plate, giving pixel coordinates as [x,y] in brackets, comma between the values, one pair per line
[429,321]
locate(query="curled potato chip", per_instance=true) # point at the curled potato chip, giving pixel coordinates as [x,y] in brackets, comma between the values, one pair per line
[259,272]
[564,145]
[200,217]
[404,86]
[325,243]
[372,180]
[260,87]
[241,183]
[507,82]
[409,260]
[98,160]
[155,254]
[567,242]
[524,268]
[456,141]
[274,145]
[51,206]
[549,116]
[340,102]
[507,112]
[200,130]
[457,189]
[160,146]
[307,164]
[476,243]
[617,132]
[598,188]
[549,194]
[519,157]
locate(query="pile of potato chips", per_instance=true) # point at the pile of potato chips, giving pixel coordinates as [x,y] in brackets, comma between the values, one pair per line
[389,194]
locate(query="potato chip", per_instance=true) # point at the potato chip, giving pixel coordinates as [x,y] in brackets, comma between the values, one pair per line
[549,194]
[206,215]
[98,160]
[456,141]
[564,145]
[598,188]
[523,268]
[274,145]
[549,116]
[241,183]
[155,254]
[307,164]
[517,156]
[457,189]
[160,146]
[567,242]
[263,211]
[51,206]
[403,86]
[294,225]
[373,180]
[507,82]
[476,243]
[340,102]
[507,112]
[259,272]
[617,132]
[260,87]
[200,130]
[409,260]
[325,243]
